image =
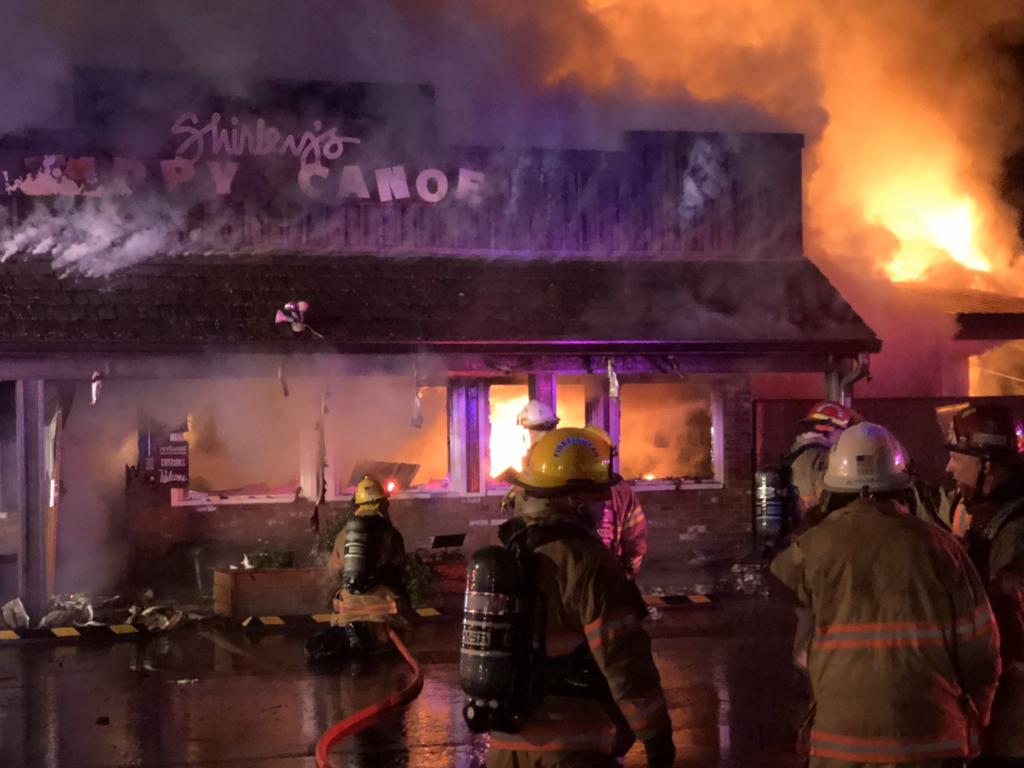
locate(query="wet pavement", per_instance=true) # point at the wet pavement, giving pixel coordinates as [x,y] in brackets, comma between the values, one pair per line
[205,697]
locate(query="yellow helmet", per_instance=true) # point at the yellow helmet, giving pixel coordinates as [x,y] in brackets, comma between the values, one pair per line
[369,491]
[569,459]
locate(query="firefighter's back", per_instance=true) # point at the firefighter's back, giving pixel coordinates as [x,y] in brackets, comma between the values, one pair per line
[884,660]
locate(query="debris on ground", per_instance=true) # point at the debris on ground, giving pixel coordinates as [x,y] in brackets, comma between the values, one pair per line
[67,611]
[747,579]
[156,618]
[14,614]
[187,681]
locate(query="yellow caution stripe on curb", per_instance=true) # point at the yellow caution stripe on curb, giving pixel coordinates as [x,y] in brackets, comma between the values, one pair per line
[65,632]
[322,618]
[653,600]
[6,634]
[123,629]
[674,600]
[426,612]
[272,621]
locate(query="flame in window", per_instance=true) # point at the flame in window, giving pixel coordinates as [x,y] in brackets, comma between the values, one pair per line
[509,441]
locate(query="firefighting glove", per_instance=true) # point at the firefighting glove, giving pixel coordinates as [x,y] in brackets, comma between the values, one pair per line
[661,752]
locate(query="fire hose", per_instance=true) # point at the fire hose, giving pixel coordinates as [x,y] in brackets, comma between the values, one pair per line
[356,722]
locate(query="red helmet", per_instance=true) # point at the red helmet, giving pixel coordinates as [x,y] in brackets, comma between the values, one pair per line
[988,431]
[829,416]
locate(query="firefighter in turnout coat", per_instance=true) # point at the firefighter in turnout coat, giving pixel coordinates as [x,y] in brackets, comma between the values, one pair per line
[807,458]
[620,522]
[593,613]
[368,560]
[905,656]
[985,442]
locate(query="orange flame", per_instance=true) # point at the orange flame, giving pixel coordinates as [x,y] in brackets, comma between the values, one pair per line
[509,441]
[907,113]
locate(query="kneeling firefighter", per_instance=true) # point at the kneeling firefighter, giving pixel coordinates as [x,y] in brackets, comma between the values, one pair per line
[554,659]
[368,559]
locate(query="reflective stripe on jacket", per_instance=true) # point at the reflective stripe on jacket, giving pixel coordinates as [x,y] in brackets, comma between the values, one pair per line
[622,527]
[905,657]
[589,600]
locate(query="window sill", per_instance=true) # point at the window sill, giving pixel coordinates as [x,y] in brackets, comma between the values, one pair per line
[218,501]
[644,486]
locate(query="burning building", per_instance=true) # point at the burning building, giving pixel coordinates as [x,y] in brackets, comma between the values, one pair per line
[236,306]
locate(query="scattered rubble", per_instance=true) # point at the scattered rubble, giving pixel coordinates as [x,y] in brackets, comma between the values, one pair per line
[75,610]
[747,579]
[156,618]
[14,614]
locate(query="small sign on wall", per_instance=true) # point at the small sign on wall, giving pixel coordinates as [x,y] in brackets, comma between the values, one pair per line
[172,464]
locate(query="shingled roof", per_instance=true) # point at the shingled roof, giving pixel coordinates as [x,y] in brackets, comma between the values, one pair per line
[371,304]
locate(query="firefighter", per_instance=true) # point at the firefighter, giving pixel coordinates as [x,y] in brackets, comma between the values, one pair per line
[538,419]
[803,470]
[620,522]
[807,458]
[592,615]
[985,443]
[905,657]
[368,559]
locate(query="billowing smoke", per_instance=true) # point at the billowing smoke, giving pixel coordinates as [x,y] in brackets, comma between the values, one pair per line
[98,237]
[909,107]
[246,437]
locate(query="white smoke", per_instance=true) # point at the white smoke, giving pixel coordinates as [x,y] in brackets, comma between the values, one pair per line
[96,237]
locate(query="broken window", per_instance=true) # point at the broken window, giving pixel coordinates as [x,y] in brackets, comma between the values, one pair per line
[667,431]
[384,426]
[245,439]
[248,441]
[571,404]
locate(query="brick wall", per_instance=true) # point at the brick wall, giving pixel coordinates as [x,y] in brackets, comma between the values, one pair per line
[689,529]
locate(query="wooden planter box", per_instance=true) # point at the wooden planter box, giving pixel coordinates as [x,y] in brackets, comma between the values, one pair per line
[271,592]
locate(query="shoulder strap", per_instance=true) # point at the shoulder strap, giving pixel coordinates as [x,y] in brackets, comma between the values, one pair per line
[1002,517]
[518,536]
[791,456]
[539,535]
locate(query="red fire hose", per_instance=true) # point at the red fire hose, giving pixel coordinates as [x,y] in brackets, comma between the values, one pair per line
[354,723]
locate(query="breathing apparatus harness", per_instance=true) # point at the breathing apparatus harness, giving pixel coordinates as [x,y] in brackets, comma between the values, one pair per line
[504,668]
[979,540]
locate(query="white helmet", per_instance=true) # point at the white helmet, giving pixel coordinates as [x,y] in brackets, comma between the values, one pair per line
[866,457]
[537,415]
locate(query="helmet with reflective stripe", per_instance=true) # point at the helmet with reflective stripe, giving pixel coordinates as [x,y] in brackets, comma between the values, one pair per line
[867,458]
[369,491]
[537,415]
[829,416]
[569,459]
[988,431]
